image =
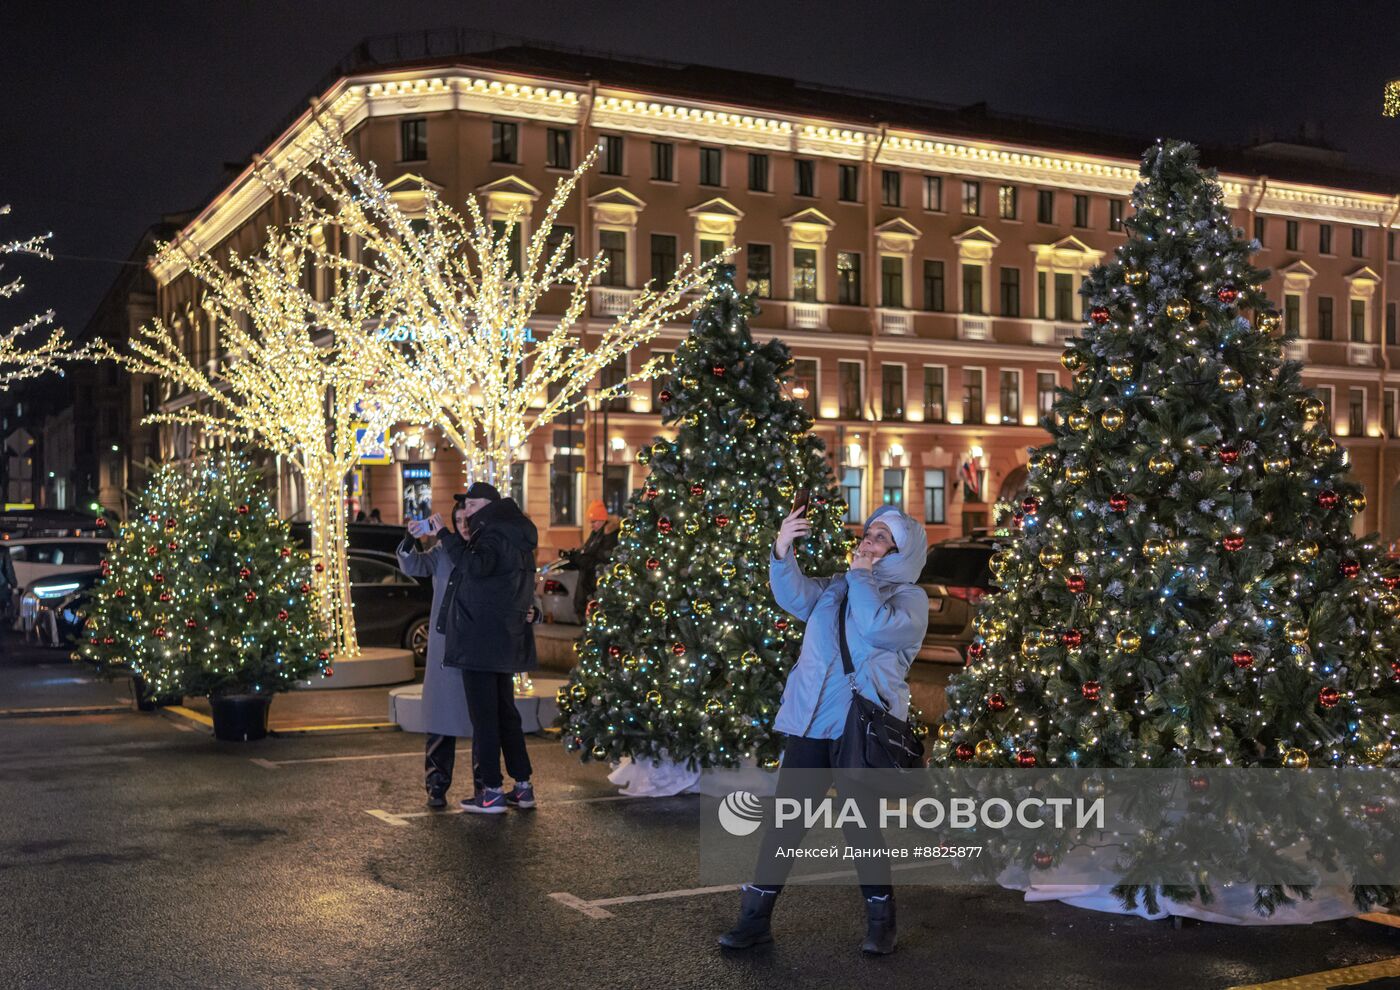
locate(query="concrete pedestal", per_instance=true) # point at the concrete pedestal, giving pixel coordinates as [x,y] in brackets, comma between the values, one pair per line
[537,710]
[373,667]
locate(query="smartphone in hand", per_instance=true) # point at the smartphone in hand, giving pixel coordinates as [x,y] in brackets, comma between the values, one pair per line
[799,504]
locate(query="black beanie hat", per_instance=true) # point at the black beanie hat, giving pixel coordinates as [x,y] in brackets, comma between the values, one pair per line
[481,489]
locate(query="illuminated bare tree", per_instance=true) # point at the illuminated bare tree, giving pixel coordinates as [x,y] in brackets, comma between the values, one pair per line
[25,352]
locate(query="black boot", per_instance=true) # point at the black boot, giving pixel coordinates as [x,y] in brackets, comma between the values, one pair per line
[879,926]
[755,912]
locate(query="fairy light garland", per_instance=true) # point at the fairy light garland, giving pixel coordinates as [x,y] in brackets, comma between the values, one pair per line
[21,355]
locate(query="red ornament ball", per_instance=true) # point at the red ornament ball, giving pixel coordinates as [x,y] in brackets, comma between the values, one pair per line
[697,490]
[650,492]
[1243,659]
[158,632]
[170,524]
[1018,519]
[1394,667]
[1072,639]
[1200,783]
[664,524]
[152,551]
[165,596]
[1392,582]
[1227,294]
[1229,454]
[614,651]
[286,551]
[1373,809]
[158,577]
[191,624]
[1030,505]
[243,509]
[1118,502]
[121,592]
[1091,690]
[172,545]
[664,395]
[305,587]
[1328,697]
[1043,860]
[1099,314]
[324,655]
[721,521]
[781,624]
[329,672]
[1328,499]
[1233,543]
[283,615]
[1349,568]
[1025,758]
[996,702]
[319,568]
[678,649]
[718,371]
[250,596]
[975,652]
[963,751]
[244,573]
[1075,583]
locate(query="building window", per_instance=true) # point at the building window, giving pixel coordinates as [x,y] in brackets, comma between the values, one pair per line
[1115,215]
[972,198]
[804,385]
[935,404]
[1045,385]
[1390,320]
[933,193]
[1324,317]
[892,392]
[1006,202]
[1064,296]
[972,395]
[662,381]
[498,228]
[758,173]
[1045,206]
[848,278]
[849,397]
[1388,423]
[890,191]
[1010,397]
[935,496]
[663,161]
[612,244]
[804,177]
[1081,210]
[891,281]
[505,141]
[712,166]
[1290,235]
[616,488]
[893,493]
[848,186]
[613,374]
[1356,413]
[1292,314]
[1324,238]
[565,466]
[710,248]
[613,154]
[1324,392]
[663,257]
[413,140]
[850,492]
[555,241]
[935,298]
[559,148]
[971,288]
[760,280]
[1358,242]
[1358,321]
[1259,228]
[1011,292]
[1040,311]
[804,274]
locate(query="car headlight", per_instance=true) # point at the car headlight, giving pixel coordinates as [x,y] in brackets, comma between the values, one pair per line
[55,590]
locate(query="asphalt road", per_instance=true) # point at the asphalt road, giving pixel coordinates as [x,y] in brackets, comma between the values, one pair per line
[135,851]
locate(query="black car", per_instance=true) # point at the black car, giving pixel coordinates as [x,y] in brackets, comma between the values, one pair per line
[956,577]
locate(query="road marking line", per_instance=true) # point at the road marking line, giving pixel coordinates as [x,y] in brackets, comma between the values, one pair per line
[569,900]
[64,710]
[457,810]
[297,730]
[182,712]
[1345,977]
[1381,918]
[387,818]
[274,764]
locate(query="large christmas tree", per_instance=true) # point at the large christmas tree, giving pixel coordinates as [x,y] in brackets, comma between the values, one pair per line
[204,590]
[1185,589]
[684,653]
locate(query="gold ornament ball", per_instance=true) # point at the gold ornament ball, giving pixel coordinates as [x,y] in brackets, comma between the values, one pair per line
[599,752]
[653,697]
[728,570]
[748,420]
[619,569]
[692,525]
[748,517]
[1270,321]
[749,658]
[1048,638]
[704,607]
[1295,759]
[658,608]
[1135,276]
[1084,379]
[1277,465]
[1178,309]
[785,490]
[714,706]
[1030,645]
[1154,550]
[1313,409]
[1120,371]
[578,691]
[997,563]
[1357,502]
[1323,447]
[630,662]
[1389,604]
[690,382]
[1076,474]
[1079,421]
[985,751]
[1128,641]
[659,448]
[1230,380]
[1160,464]
[1050,557]
[1307,552]
[1376,754]
[1072,359]
[946,731]
[690,419]
[234,534]
[1111,419]
[1296,632]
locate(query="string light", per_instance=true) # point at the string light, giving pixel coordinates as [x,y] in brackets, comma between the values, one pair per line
[21,356]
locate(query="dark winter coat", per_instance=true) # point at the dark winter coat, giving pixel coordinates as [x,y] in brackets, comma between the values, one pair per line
[483,611]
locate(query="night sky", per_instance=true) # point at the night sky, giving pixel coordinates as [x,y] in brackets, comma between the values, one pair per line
[116,113]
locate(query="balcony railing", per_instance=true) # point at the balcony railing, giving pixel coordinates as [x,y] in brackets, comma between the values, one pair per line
[1048,333]
[806,316]
[896,321]
[1362,354]
[974,327]
[1295,349]
[610,300]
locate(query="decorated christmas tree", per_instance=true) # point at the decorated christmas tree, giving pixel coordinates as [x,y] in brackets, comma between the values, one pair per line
[204,591]
[1184,588]
[684,653]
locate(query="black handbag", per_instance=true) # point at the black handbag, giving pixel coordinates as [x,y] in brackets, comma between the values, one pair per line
[873,739]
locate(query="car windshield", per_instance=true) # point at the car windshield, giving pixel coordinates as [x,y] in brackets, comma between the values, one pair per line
[958,566]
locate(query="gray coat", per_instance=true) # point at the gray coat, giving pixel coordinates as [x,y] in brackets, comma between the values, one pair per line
[444,701]
[884,629]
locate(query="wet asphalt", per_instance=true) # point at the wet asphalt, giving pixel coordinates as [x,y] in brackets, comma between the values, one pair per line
[135,851]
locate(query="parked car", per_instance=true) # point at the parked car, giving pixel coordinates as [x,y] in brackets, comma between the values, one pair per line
[37,557]
[956,577]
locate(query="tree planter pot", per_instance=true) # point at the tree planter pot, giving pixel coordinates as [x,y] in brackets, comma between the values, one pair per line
[240,717]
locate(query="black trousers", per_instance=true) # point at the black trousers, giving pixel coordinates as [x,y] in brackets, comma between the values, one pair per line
[439,757]
[809,755]
[495,727]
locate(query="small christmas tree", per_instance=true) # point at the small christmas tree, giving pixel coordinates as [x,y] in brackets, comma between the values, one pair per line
[204,591]
[1185,589]
[684,654]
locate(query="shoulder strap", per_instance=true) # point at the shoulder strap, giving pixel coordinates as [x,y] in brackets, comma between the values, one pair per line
[846,664]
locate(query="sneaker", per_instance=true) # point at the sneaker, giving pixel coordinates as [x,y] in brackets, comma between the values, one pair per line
[522,795]
[437,800]
[489,802]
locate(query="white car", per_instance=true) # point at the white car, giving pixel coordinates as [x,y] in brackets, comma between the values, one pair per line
[37,557]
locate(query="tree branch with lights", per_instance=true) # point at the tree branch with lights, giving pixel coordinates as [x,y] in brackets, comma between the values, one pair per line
[21,356]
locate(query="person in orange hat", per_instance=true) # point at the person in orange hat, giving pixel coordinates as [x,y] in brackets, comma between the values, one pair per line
[593,554]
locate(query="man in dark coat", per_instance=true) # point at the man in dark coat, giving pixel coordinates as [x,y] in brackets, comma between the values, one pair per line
[592,555]
[484,620]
